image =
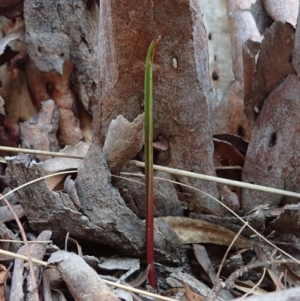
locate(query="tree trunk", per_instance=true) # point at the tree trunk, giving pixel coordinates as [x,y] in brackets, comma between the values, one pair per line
[183,99]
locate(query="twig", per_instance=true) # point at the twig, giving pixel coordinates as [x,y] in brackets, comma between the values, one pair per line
[128,288]
[256,285]
[228,249]
[279,281]
[225,284]
[231,211]
[3,197]
[229,283]
[30,264]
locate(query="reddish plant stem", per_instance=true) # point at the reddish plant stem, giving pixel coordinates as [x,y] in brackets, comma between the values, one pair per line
[149,164]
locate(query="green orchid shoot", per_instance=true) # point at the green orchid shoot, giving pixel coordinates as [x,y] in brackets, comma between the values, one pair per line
[148,128]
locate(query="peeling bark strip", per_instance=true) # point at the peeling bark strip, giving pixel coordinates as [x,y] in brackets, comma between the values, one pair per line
[103,218]
[273,153]
[82,281]
[274,63]
[22,286]
[62,38]
[183,96]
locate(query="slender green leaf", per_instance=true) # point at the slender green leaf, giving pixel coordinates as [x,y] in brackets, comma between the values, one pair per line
[148,109]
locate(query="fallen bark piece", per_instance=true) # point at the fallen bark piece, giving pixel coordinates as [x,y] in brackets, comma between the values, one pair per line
[130,265]
[102,204]
[82,281]
[166,202]
[123,141]
[274,63]
[21,284]
[273,153]
[40,131]
[103,216]
[7,234]
[288,220]
[63,64]
[197,286]
[203,259]
[285,295]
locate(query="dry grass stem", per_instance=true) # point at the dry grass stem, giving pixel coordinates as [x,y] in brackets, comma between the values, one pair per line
[231,211]
[171,171]
[127,288]
[256,285]
[228,249]
[23,234]
[30,242]
[135,181]
[219,180]
[38,152]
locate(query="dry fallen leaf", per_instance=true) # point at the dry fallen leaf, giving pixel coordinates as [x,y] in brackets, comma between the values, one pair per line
[3,276]
[61,164]
[226,154]
[191,296]
[192,231]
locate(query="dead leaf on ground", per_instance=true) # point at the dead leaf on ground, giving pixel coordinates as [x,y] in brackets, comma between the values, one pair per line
[237,141]
[3,276]
[58,164]
[191,231]
[191,296]
[226,154]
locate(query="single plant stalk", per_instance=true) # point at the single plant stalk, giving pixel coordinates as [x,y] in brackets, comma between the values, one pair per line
[148,131]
